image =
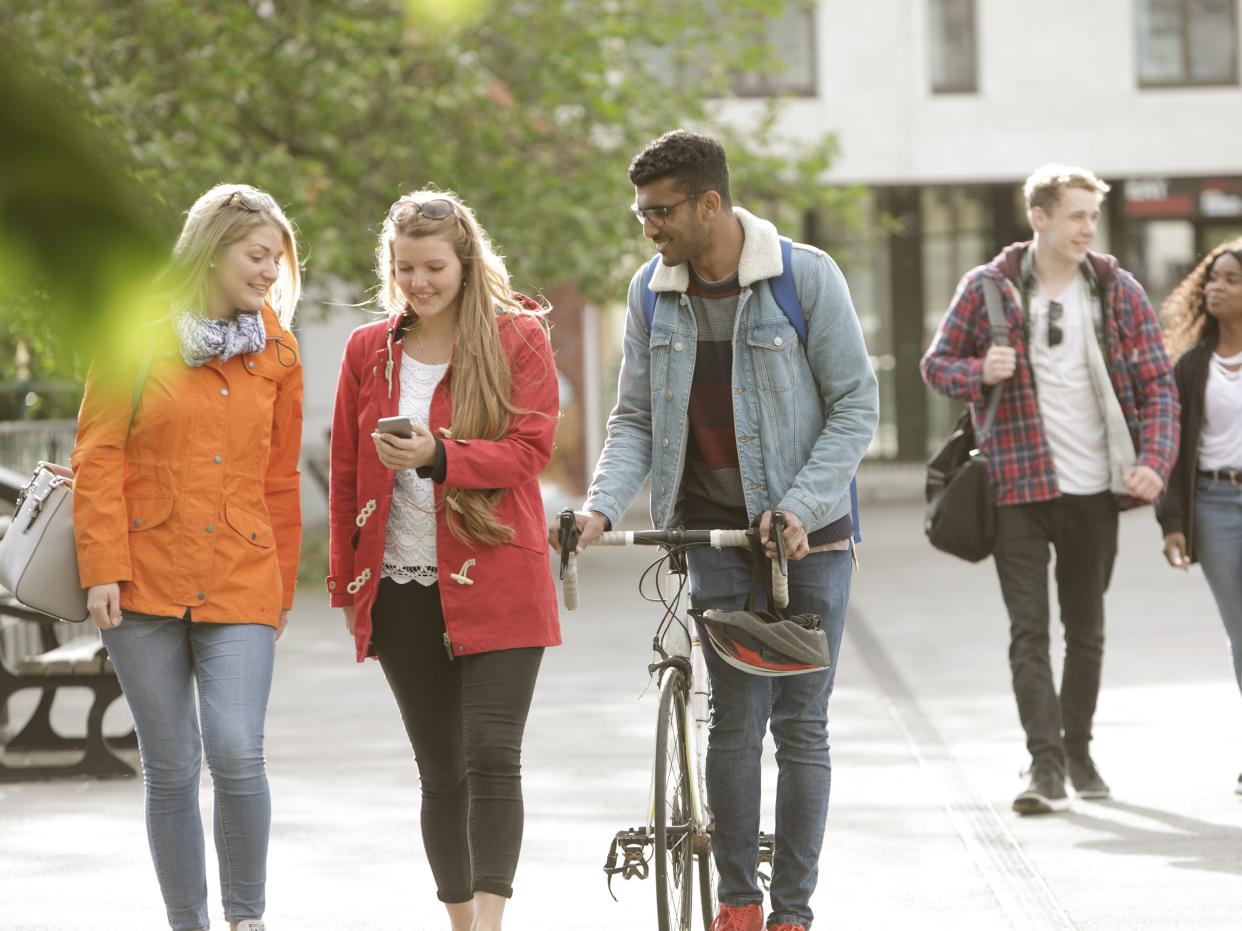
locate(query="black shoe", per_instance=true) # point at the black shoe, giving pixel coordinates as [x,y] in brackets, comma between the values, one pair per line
[1044,793]
[1086,778]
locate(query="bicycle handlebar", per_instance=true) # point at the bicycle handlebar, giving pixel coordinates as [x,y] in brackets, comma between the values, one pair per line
[567,533]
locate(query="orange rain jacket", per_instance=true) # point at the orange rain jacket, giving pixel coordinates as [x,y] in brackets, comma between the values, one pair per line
[197,504]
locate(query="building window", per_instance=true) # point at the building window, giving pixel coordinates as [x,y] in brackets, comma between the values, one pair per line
[791,38]
[954,65]
[1187,43]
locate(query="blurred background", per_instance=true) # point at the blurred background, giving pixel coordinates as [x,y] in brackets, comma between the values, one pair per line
[894,134]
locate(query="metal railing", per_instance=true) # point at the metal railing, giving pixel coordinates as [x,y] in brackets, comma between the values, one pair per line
[24,442]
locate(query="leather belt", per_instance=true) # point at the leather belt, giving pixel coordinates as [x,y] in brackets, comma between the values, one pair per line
[1232,476]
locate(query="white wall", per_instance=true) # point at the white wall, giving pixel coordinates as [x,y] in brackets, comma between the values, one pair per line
[1057,82]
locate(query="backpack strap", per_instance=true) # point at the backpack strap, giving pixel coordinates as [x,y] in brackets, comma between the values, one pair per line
[1000,337]
[786,294]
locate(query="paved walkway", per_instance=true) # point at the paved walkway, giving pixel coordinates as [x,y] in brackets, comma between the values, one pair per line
[926,752]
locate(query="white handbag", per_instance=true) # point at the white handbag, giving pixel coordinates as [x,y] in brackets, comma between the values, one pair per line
[38,558]
[38,561]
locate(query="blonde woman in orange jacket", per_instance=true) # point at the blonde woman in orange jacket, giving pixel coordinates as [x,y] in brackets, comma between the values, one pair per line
[188,525]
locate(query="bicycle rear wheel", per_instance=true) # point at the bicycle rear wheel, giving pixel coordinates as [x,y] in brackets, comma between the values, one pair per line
[674,856]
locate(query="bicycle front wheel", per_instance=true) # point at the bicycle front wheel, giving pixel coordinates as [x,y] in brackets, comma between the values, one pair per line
[673,816]
[707,889]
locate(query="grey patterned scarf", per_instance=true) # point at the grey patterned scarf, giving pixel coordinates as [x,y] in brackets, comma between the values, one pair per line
[203,339]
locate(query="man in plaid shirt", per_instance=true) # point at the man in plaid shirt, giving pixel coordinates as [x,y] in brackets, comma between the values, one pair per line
[1087,425]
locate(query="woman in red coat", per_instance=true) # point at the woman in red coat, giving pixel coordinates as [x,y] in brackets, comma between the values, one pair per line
[438,545]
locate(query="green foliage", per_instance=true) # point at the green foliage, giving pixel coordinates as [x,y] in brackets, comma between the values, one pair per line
[530,109]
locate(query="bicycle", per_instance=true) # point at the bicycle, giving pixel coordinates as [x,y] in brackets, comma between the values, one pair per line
[679,824]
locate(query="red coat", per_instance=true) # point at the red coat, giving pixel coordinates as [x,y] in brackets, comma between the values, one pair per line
[479,585]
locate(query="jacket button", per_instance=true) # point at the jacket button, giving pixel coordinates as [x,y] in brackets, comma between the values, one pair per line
[664,442]
[218,460]
[224,392]
[668,395]
[209,529]
[676,347]
[250,364]
[777,341]
[253,535]
[663,490]
[202,596]
[137,522]
[331,585]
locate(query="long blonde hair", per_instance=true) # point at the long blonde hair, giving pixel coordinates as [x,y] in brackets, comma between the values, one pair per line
[218,219]
[481,382]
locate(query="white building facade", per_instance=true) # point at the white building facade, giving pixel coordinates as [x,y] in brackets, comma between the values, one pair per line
[942,107]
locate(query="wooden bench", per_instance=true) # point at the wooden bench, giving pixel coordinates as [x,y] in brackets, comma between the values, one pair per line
[81,662]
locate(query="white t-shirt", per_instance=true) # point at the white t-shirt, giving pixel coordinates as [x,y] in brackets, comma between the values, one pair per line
[410,537]
[1220,446]
[1073,421]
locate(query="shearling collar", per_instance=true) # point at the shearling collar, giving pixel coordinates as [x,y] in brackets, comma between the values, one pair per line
[761,257]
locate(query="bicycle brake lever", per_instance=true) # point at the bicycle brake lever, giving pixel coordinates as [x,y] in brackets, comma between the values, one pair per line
[776,533]
[568,537]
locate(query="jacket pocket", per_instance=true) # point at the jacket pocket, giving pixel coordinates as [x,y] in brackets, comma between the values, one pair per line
[145,513]
[658,350]
[250,527]
[774,352]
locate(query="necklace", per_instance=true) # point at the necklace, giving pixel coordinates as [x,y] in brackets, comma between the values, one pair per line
[431,360]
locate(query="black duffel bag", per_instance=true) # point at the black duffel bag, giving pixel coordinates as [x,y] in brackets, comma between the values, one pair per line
[960,518]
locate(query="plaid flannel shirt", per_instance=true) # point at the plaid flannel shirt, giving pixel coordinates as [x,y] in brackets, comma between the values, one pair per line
[1020,463]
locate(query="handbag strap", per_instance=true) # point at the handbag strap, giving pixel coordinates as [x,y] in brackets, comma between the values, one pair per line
[144,369]
[1000,337]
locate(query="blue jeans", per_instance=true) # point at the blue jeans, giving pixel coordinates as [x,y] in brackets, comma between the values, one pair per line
[743,706]
[158,661]
[1218,544]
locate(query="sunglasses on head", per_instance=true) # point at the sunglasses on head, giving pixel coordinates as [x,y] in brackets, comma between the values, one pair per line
[438,208]
[249,200]
[1055,333]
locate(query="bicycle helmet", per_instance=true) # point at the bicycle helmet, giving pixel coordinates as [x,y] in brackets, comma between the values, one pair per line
[765,644]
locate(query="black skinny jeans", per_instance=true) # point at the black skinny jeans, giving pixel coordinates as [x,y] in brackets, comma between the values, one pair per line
[1082,529]
[465,719]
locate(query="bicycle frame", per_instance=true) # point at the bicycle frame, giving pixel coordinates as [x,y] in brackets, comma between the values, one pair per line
[677,649]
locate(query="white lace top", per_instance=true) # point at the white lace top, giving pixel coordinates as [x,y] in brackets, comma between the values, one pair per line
[410,537]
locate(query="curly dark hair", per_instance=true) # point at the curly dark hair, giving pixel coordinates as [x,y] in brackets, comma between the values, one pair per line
[696,162]
[1186,320]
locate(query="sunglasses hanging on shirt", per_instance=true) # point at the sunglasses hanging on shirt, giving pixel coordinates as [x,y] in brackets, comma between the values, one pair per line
[1055,333]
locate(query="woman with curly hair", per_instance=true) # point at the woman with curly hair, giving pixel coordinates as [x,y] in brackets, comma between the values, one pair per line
[438,541]
[1201,512]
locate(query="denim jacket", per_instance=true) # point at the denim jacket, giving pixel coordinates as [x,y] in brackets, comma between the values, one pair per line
[802,418]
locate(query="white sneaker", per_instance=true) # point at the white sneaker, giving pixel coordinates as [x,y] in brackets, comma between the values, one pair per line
[1237,789]
[251,924]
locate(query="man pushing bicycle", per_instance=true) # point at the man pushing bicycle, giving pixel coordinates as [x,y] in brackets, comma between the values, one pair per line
[745,388]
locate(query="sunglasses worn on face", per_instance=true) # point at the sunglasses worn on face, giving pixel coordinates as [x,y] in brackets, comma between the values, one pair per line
[437,209]
[1055,333]
[657,216]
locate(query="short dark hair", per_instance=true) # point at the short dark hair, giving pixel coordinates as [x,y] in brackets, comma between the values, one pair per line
[696,162]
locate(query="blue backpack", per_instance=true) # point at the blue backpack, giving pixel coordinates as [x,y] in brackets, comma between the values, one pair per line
[786,296]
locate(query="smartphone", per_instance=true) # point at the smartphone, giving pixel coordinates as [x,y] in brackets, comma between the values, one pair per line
[397,426]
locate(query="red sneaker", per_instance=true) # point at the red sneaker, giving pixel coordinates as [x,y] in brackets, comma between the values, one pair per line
[739,918]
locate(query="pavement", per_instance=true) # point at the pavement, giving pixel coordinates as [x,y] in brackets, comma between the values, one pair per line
[926,755]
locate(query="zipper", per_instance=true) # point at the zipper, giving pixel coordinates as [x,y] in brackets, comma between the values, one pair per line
[448,646]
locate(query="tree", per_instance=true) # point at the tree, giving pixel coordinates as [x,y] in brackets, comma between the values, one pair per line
[530,109]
